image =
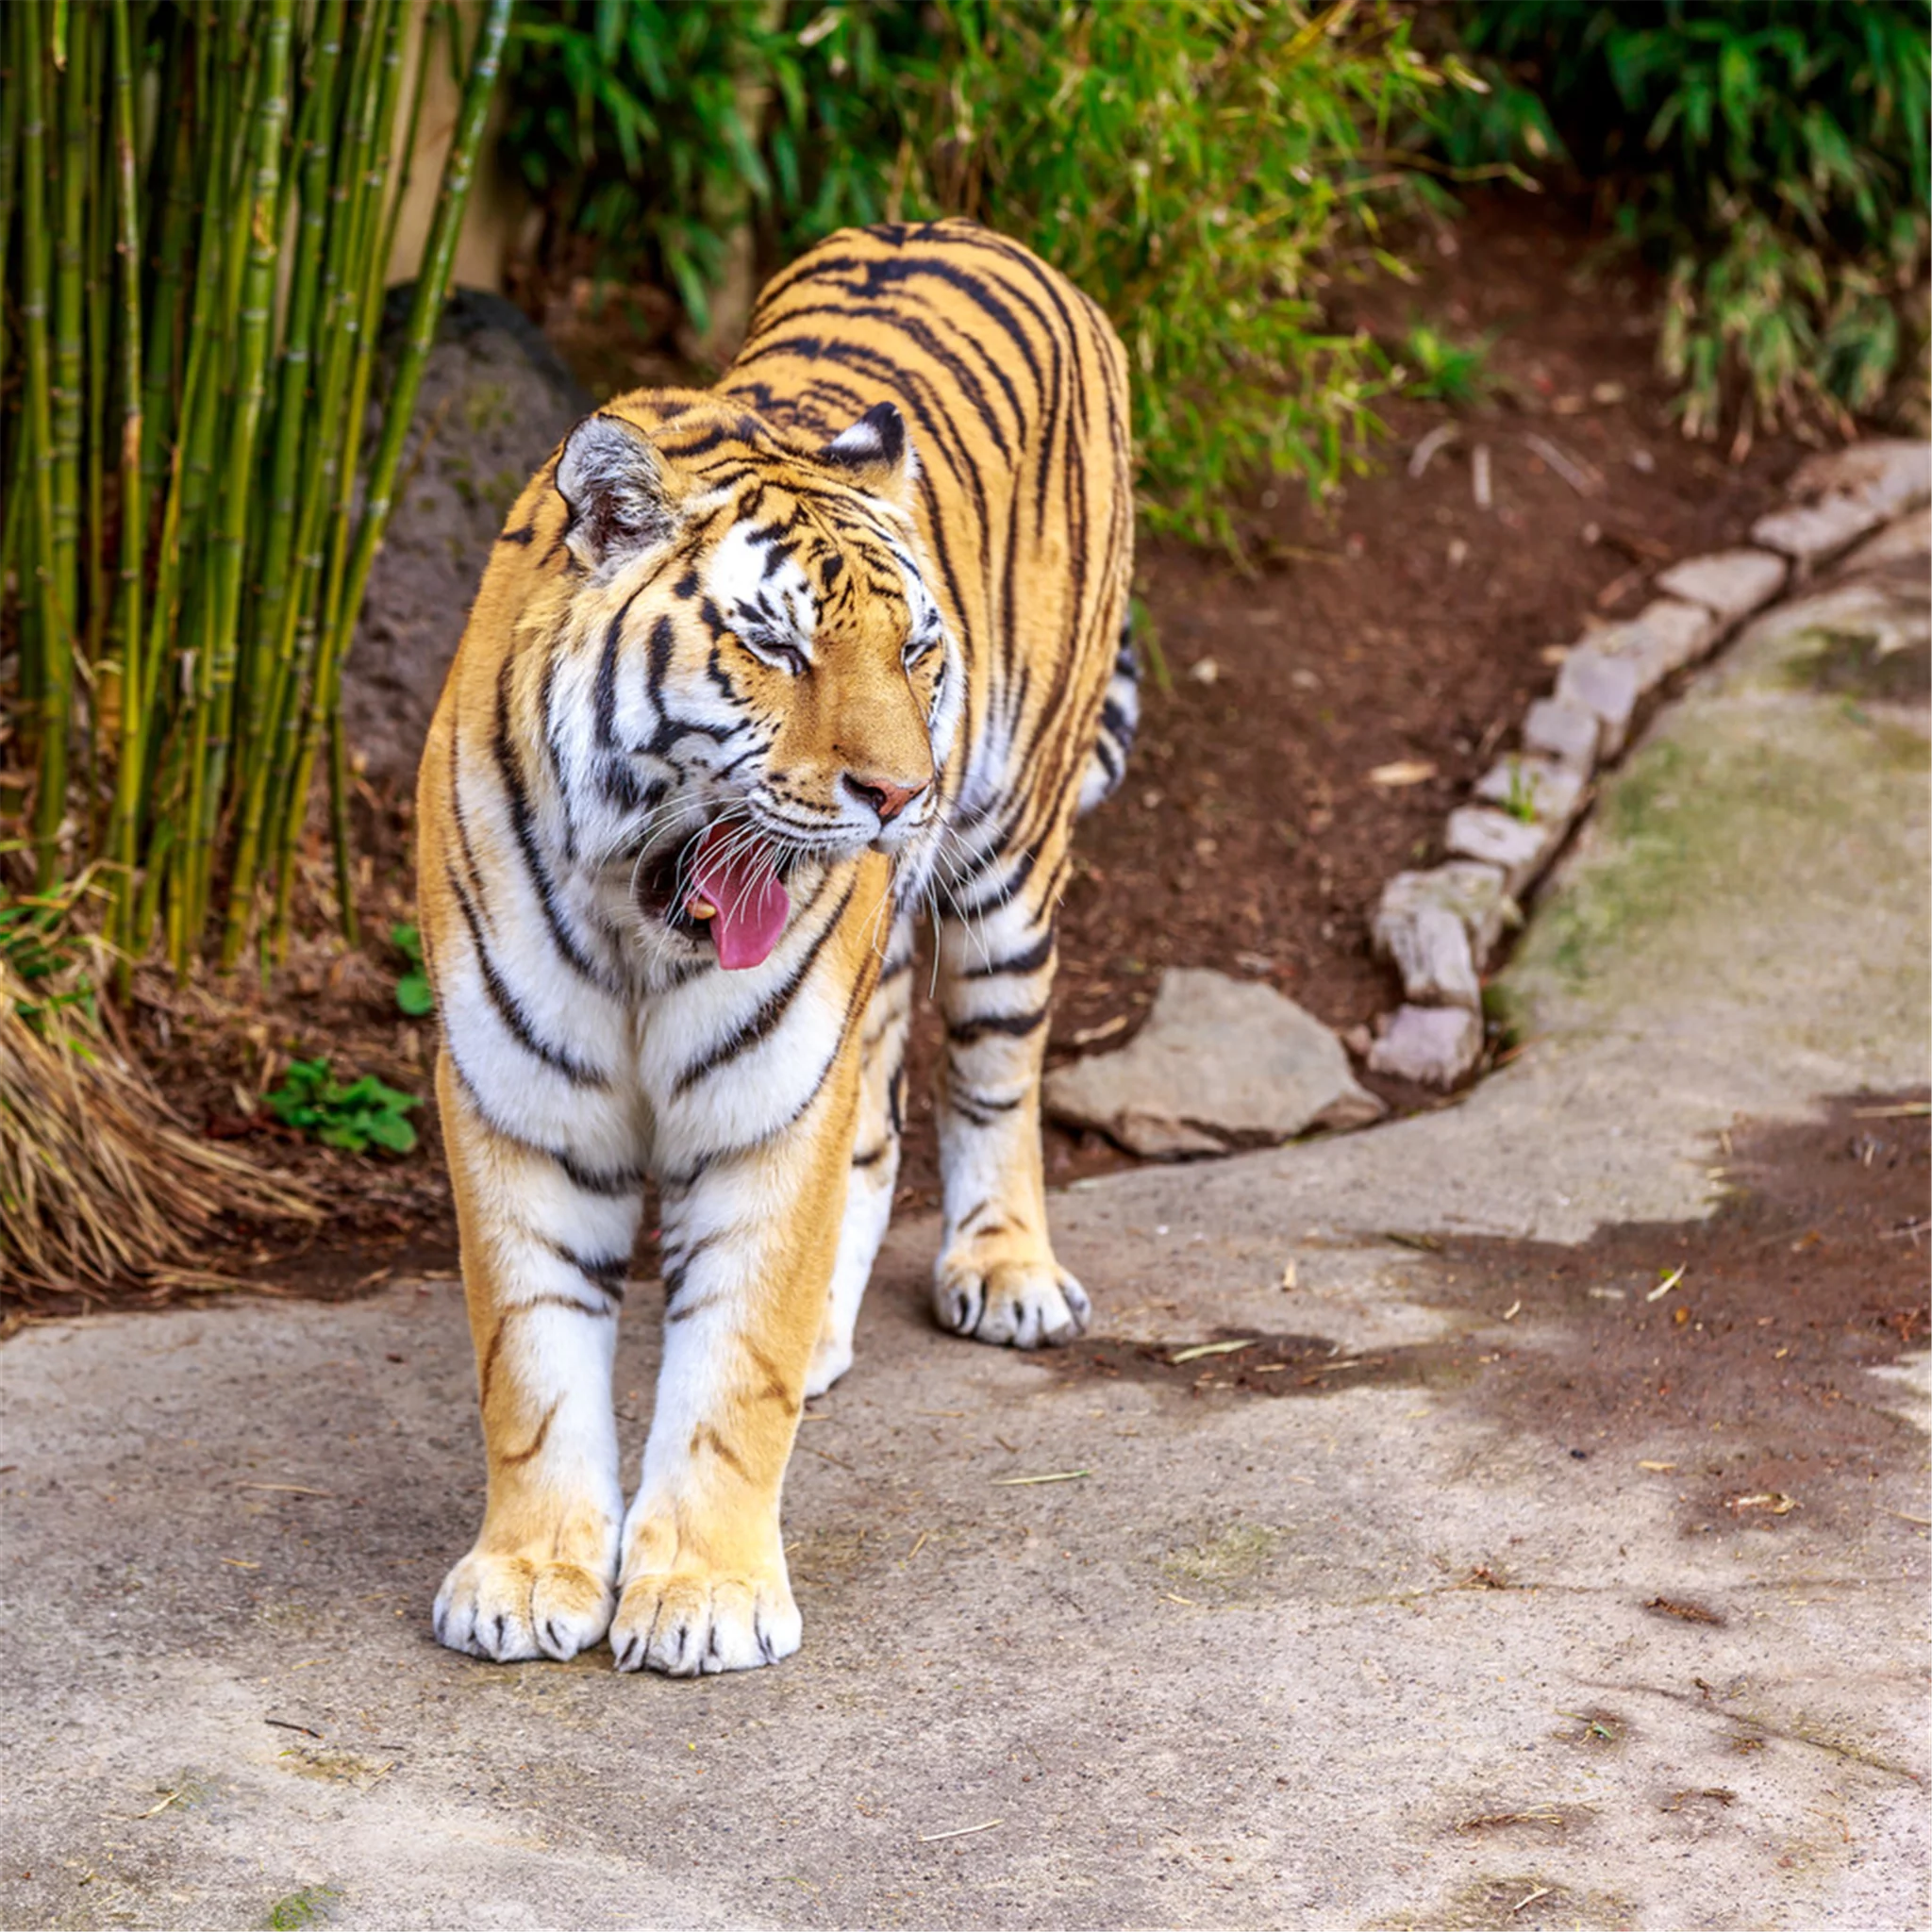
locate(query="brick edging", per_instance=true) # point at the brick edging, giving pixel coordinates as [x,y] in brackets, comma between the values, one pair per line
[1441,927]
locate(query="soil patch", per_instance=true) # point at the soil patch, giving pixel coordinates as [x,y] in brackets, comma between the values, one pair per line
[1743,1333]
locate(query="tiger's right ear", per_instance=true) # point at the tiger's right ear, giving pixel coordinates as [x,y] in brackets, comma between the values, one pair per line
[610,477]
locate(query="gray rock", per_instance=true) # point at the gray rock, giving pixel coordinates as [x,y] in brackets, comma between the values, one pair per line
[1437,929]
[1550,793]
[1885,473]
[495,401]
[1434,1046]
[1219,1063]
[1603,685]
[1555,729]
[1518,849]
[1663,637]
[1905,545]
[1809,534]
[1731,584]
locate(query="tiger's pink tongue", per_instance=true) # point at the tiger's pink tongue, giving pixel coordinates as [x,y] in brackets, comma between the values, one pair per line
[734,878]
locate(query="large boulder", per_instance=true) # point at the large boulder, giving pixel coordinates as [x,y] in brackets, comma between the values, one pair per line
[495,401]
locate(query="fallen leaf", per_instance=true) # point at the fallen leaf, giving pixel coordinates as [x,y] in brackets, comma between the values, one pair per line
[1393,777]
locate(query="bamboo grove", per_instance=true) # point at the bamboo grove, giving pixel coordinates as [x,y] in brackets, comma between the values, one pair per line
[198,201]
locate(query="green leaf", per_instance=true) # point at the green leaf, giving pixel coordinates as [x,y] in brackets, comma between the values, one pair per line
[414,994]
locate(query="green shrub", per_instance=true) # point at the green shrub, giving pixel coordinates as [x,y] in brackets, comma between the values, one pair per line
[627,123]
[1204,169]
[1770,156]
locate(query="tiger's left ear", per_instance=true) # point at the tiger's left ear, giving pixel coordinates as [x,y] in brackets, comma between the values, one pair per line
[878,454]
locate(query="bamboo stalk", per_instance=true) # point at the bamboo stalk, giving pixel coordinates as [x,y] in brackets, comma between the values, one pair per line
[51,661]
[70,243]
[121,831]
[271,659]
[432,283]
[360,314]
[258,235]
[9,167]
[341,322]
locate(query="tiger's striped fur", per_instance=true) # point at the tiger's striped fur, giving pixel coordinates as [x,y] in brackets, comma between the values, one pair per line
[726,638]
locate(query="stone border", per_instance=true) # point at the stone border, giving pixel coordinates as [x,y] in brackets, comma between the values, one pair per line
[1442,927]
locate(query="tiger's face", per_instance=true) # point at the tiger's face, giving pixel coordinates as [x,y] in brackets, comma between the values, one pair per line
[776,688]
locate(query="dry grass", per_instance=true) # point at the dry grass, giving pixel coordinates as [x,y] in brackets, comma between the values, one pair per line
[100,1183]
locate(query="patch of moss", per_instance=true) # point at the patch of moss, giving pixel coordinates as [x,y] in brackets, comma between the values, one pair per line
[312,1906]
[1239,1553]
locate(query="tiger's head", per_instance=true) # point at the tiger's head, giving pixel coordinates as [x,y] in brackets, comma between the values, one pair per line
[775,687]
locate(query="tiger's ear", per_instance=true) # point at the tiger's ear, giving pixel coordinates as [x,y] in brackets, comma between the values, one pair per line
[878,454]
[610,477]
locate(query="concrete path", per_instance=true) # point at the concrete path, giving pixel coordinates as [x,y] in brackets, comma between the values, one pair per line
[1390,1649]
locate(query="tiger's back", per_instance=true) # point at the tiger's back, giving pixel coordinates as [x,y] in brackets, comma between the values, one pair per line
[1014,386]
[751,680]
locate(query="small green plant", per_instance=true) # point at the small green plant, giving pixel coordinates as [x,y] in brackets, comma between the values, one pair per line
[355,1117]
[1436,369]
[1520,802]
[414,994]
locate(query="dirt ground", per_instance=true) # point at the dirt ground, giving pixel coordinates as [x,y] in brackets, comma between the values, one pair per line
[1759,1318]
[1399,623]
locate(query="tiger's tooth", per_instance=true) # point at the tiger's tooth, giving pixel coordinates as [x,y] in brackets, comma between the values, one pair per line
[700,909]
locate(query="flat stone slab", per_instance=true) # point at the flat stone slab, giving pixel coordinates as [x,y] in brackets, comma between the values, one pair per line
[1885,473]
[1519,848]
[1220,1062]
[1905,544]
[1606,686]
[1812,533]
[1665,635]
[1439,928]
[1729,583]
[1434,1046]
[1555,729]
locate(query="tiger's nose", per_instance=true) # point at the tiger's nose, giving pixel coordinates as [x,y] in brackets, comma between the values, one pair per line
[886,798]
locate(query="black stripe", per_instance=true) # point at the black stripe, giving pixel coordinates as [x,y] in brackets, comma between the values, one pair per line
[1015,1025]
[509,1009]
[523,534]
[523,825]
[1031,960]
[607,1274]
[769,1014]
[613,1186]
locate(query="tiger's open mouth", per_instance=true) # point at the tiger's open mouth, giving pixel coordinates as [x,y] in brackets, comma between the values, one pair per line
[728,881]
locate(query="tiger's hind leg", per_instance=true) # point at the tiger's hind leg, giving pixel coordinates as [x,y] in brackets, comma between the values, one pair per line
[875,1172]
[997,1279]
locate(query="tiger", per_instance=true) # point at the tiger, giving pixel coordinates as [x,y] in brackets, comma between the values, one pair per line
[757,678]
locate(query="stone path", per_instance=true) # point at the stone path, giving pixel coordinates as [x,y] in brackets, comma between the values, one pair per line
[1382,1656]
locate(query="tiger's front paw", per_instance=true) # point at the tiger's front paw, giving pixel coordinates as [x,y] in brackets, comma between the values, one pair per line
[691,1622]
[510,1608]
[1016,1304]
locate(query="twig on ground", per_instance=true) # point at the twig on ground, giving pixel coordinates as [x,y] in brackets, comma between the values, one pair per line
[1438,439]
[1583,478]
[933,1838]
